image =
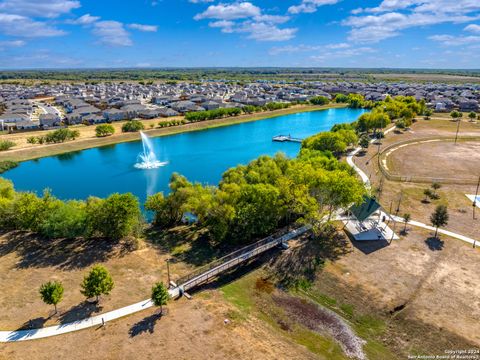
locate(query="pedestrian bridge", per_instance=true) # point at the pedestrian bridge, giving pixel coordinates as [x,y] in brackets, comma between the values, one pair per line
[206,273]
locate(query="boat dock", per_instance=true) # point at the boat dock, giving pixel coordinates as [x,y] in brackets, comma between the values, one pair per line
[283,138]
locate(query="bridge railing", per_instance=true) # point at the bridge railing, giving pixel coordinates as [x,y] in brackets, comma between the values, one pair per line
[253,249]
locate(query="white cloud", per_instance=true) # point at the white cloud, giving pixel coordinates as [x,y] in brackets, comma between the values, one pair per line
[39,8]
[233,11]
[225,25]
[262,31]
[392,16]
[145,28]
[12,43]
[306,48]
[200,1]
[112,33]
[373,28]
[17,25]
[310,6]
[244,17]
[343,53]
[450,40]
[474,28]
[338,46]
[86,19]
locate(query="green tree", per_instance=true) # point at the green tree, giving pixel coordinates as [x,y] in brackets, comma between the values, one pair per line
[439,217]
[435,186]
[115,217]
[472,115]
[341,98]
[103,130]
[364,142]
[427,113]
[52,293]
[319,100]
[160,295]
[97,282]
[132,126]
[428,195]
[326,141]
[455,115]
[67,220]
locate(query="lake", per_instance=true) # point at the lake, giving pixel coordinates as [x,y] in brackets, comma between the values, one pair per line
[200,155]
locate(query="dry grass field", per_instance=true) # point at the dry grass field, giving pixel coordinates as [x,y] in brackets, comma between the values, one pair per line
[442,159]
[433,158]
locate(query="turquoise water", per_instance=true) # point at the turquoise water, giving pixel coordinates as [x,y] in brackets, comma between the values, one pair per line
[201,156]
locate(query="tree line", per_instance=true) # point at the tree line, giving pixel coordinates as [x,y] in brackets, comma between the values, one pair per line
[253,200]
[114,217]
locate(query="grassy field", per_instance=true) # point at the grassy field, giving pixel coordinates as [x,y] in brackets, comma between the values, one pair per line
[24,151]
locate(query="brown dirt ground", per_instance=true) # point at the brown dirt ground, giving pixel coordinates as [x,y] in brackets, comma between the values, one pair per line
[460,207]
[26,262]
[435,281]
[190,330]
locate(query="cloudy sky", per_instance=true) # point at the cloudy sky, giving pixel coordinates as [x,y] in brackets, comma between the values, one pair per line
[191,33]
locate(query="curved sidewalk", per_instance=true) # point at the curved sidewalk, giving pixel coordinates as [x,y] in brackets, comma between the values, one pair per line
[98,320]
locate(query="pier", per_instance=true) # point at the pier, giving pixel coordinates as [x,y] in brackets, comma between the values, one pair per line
[283,138]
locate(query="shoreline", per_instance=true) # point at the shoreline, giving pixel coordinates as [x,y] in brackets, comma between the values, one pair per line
[36,152]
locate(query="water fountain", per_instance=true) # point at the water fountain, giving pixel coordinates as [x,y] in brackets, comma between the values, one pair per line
[147,159]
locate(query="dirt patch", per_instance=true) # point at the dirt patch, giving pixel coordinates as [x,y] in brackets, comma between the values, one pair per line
[27,261]
[322,320]
[190,330]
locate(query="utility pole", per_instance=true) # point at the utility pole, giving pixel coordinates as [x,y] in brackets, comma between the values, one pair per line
[458,128]
[168,272]
[399,202]
[475,198]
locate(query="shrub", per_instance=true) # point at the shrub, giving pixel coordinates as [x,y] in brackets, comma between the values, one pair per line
[6,144]
[319,100]
[32,140]
[59,136]
[7,165]
[104,130]
[132,126]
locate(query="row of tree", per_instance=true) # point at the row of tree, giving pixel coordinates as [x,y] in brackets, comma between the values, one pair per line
[57,136]
[114,217]
[195,116]
[253,200]
[96,283]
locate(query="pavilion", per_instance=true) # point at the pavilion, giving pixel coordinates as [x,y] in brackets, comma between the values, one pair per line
[367,221]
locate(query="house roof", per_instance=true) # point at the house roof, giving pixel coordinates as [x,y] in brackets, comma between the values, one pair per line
[365,209]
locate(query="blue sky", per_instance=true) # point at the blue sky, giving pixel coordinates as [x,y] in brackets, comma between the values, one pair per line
[199,33]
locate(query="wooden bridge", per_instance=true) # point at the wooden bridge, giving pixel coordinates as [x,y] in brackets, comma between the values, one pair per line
[212,270]
[283,138]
